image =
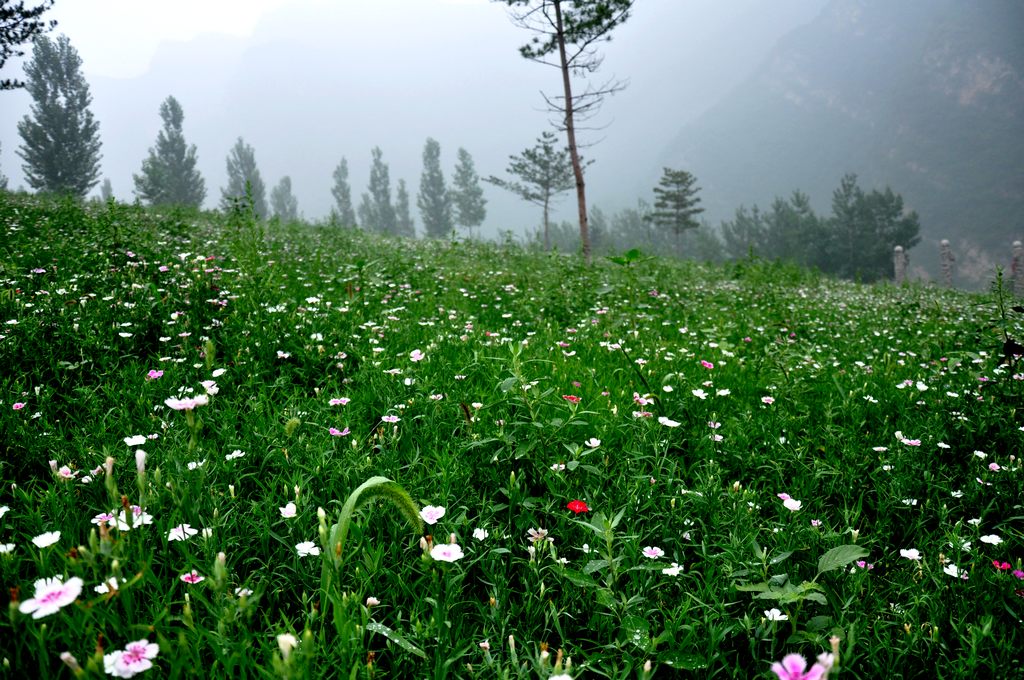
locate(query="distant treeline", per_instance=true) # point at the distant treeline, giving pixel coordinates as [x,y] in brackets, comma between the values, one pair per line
[855,241]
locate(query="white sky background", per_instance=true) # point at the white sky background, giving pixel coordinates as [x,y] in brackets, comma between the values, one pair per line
[144,24]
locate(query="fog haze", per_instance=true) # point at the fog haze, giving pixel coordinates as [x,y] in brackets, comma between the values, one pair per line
[314,81]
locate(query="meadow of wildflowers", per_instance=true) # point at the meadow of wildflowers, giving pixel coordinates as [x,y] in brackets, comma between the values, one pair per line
[239,450]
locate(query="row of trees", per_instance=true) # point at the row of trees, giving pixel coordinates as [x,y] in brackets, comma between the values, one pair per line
[441,208]
[61,150]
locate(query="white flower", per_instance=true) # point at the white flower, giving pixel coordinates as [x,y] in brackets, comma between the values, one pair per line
[991,539]
[792,504]
[307,548]
[288,510]
[480,534]
[592,443]
[46,539]
[181,532]
[774,614]
[446,552]
[237,453]
[954,571]
[286,642]
[911,554]
[137,440]
[673,570]
[653,552]
[4,510]
[7,548]
[218,372]
[700,394]
[372,601]
[668,422]
[431,513]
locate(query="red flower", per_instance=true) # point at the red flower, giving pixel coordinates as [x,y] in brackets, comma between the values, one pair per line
[578,507]
[571,398]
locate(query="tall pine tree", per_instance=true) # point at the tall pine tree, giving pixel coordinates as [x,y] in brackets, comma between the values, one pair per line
[342,193]
[244,177]
[61,140]
[676,203]
[169,175]
[19,25]
[467,195]
[543,172]
[434,201]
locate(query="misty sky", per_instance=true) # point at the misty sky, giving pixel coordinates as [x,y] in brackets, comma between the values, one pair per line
[306,82]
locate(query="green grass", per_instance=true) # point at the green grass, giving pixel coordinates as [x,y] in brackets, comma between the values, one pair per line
[760,380]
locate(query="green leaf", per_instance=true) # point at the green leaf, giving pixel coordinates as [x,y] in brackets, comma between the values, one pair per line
[595,565]
[578,579]
[840,556]
[780,557]
[375,627]
[637,631]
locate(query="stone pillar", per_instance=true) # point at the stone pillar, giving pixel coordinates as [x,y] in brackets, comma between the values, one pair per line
[947,260]
[899,264]
[1016,275]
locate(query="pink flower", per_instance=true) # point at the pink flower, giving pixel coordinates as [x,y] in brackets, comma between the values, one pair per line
[154,374]
[288,511]
[416,355]
[134,658]
[447,552]
[339,402]
[770,401]
[707,364]
[571,398]
[18,405]
[653,552]
[431,513]
[187,404]
[335,432]
[51,595]
[793,665]
[390,419]
[192,577]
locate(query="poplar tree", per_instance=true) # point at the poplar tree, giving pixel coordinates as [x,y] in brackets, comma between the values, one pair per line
[283,203]
[61,140]
[376,210]
[467,195]
[169,175]
[403,218]
[433,200]
[342,193]
[243,180]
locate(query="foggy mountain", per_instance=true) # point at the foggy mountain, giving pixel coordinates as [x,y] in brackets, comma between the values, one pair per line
[318,81]
[926,96]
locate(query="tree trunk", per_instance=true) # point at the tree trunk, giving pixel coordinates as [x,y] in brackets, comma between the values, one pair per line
[570,130]
[547,237]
